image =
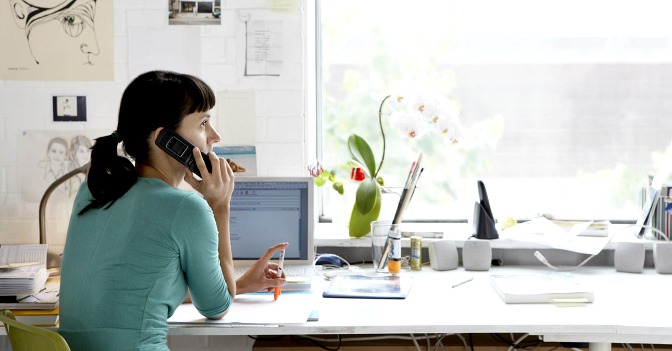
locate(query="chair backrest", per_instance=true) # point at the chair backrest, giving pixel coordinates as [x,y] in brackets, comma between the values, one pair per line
[24,337]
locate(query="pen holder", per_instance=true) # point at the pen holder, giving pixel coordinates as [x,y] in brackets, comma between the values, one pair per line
[484,225]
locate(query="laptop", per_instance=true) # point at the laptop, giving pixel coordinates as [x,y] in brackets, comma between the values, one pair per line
[269,210]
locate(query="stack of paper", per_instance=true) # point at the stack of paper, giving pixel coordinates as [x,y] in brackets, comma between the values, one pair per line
[23,269]
[46,299]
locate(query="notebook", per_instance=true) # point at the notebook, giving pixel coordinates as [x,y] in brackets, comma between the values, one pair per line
[554,287]
[269,210]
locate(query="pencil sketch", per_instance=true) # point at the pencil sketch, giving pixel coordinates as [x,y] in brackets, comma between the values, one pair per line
[54,166]
[62,158]
[80,154]
[40,20]
[46,155]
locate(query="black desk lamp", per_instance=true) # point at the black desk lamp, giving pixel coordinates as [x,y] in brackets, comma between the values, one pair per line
[52,261]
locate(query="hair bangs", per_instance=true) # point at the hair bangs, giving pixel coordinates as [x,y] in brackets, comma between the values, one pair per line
[199,97]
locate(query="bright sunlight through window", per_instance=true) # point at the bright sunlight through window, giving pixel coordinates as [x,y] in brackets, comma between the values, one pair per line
[566,106]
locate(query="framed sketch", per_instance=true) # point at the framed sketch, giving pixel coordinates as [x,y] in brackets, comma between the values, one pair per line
[69,108]
[57,40]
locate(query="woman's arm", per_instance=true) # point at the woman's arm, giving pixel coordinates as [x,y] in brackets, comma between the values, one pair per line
[217,188]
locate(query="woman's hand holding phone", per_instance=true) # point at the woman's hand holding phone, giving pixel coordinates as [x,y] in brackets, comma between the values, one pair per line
[217,186]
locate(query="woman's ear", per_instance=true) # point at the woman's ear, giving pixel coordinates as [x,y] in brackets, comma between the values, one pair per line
[155,134]
[20,11]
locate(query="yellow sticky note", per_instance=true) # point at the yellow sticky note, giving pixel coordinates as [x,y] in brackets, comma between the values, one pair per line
[284,6]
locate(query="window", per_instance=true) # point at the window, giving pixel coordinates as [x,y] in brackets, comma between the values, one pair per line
[566,105]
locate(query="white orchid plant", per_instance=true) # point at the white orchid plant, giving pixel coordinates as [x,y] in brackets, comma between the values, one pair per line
[413,116]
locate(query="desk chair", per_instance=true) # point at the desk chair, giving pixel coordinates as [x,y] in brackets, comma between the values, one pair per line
[24,337]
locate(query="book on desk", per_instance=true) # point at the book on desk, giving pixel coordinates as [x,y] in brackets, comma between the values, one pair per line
[37,317]
[556,287]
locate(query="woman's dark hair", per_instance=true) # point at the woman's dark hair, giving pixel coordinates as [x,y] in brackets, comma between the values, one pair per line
[152,100]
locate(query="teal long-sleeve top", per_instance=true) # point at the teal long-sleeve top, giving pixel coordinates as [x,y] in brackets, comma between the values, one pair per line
[127,268]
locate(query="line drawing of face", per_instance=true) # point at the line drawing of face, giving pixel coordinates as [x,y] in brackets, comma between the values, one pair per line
[80,151]
[58,29]
[54,165]
[57,150]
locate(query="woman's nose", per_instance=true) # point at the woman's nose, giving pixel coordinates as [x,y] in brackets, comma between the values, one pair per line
[214,136]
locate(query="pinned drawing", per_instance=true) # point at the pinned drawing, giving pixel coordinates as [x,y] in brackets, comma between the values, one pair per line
[53,155]
[57,39]
[80,154]
[54,164]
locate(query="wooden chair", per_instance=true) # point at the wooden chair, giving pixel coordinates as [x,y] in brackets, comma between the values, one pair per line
[24,337]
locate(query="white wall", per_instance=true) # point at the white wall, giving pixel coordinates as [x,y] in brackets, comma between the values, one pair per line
[278,107]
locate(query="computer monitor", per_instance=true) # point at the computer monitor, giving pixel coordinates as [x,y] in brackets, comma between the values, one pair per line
[269,210]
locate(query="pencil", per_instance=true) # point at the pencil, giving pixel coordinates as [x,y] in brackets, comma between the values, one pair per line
[281,261]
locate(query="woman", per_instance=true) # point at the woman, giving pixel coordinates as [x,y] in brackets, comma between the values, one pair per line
[135,242]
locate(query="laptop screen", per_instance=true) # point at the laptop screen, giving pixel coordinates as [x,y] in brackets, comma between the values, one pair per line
[269,210]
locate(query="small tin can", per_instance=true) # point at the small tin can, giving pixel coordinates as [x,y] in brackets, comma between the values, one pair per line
[416,253]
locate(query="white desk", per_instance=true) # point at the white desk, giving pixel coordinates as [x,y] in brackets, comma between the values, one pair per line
[630,308]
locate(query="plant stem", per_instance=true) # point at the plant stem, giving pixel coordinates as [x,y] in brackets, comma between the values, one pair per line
[382,132]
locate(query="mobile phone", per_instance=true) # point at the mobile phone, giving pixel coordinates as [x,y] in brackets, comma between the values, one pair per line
[181,150]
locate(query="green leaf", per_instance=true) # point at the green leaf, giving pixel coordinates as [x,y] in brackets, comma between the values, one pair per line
[320,180]
[360,224]
[361,152]
[368,194]
[338,186]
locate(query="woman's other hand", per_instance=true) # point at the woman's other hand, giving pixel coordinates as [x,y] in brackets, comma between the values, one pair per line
[263,275]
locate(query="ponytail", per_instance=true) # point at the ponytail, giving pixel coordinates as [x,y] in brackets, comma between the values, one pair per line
[110,175]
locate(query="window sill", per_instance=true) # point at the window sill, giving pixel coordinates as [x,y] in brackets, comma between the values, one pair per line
[331,235]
